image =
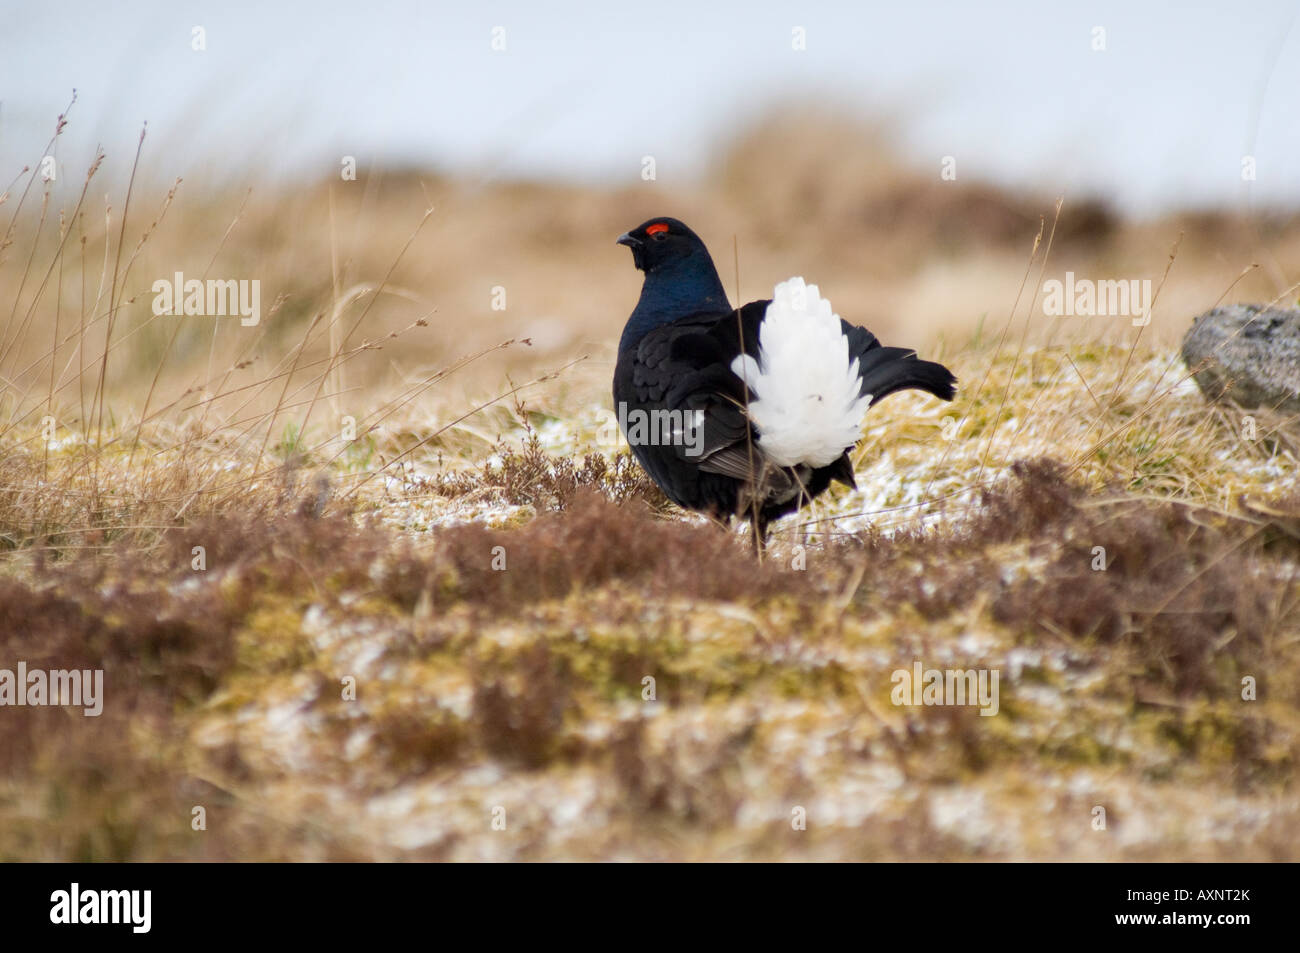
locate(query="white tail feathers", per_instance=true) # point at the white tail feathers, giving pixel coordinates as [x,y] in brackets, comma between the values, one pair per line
[807,406]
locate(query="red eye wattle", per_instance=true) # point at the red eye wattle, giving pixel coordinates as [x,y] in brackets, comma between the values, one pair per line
[656,229]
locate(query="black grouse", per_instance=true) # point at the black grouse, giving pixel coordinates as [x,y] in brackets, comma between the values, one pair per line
[749,411]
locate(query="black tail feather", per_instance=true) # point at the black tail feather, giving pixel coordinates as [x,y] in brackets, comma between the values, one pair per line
[905,373]
[888,369]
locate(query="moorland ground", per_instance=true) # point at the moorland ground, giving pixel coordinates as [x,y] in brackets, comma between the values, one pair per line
[374,578]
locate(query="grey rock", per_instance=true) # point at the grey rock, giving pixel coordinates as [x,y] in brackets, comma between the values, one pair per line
[1247,354]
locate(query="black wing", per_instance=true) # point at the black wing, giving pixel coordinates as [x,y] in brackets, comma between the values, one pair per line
[686,366]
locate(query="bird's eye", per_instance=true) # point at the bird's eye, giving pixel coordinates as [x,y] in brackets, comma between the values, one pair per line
[658,231]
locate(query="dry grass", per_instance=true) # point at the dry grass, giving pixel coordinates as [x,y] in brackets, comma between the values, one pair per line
[521,687]
[499,579]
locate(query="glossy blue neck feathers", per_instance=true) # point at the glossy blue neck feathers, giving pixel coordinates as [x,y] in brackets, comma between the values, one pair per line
[673,291]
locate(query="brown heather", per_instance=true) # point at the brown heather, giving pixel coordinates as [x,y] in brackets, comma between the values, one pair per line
[369,565]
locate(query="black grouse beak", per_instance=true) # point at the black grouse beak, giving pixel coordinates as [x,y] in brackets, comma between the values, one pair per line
[627,239]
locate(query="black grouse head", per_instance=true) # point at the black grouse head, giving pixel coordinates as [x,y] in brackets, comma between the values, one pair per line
[663,242]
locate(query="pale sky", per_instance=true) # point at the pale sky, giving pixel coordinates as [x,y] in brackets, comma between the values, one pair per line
[1162,117]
